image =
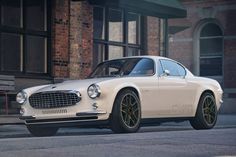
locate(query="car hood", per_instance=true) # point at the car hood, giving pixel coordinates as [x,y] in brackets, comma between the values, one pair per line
[72,85]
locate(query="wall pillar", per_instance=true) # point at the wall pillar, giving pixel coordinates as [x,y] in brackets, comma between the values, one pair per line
[81,39]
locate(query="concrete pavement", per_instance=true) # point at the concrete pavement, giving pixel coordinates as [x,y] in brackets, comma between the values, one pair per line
[184,143]
[19,130]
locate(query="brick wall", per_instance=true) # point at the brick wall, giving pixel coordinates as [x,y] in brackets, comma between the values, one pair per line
[81,39]
[184,47]
[230,63]
[230,49]
[153,37]
[60,34]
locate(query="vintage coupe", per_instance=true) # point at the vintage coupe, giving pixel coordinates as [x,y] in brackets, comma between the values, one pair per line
[123,94]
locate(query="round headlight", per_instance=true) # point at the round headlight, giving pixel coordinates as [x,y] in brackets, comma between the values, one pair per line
[94,91]
[21,97]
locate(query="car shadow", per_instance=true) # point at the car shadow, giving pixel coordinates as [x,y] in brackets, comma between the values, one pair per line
[75,131]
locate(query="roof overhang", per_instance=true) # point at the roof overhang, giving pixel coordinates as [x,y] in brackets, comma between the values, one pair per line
[157,8]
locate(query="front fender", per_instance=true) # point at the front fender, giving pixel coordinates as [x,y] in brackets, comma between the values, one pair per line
[217,93]
[111,99]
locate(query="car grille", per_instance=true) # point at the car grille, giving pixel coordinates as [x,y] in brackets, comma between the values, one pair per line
[54,99]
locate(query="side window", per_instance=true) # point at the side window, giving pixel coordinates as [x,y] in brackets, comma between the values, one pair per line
[181,70]
[174,68]
[143,67]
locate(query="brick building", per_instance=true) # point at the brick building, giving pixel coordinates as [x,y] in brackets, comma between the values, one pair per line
[43,41]
[205,42]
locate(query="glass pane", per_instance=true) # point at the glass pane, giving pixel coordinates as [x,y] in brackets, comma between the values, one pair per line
[11,13]
[36,54]
[171,66]
[98,54]
[124,67]
[211,29]
[115,52]
[211,66]
[133,52]
[10,52]
[98,23]
[115,25]
[211,47]
[35,15]
[133,28]
[143,67]
[181,70]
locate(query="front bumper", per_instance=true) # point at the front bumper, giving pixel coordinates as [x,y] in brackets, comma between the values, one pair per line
[82,119]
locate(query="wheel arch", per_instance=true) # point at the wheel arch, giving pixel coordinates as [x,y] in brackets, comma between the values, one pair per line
[130,88]
[201,94]
[207,91]
[119,90]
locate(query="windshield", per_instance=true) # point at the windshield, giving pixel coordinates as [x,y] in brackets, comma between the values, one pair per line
[124,67]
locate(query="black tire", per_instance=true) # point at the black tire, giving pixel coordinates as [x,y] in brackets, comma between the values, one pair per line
[40,131]
[126,113]
[206,115]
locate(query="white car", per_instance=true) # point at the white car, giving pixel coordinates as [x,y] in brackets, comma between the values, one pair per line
[123,94]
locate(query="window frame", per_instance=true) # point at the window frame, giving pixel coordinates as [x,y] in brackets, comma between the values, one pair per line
[175,62]
[221,56]
[120,59]
[124,44]
[24,32]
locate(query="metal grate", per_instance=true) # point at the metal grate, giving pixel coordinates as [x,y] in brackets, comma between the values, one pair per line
[53,99]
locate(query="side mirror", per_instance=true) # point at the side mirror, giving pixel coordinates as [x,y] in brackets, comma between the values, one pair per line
[166,73]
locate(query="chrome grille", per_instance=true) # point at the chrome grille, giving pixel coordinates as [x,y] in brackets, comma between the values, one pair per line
[53,99]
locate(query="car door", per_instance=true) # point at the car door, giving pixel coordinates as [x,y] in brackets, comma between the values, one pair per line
[175,95]
[145,78]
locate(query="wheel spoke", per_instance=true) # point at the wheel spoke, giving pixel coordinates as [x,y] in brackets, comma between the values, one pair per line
[130,110]
[205,109]
[135,116]
[134,103]
[209,119]
[130,100]
[128,120]
[212,103]
[207,102]
[124,105]
[123,111]
[133,120]
[209,110]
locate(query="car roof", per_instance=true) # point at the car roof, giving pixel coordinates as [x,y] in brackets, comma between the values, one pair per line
[148,56]
[145,56]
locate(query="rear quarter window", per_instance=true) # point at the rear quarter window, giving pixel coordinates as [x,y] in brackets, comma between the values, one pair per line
[174,68]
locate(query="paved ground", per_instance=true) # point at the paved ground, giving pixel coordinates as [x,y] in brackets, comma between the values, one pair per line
[10,131]
[215,142]
[169,139]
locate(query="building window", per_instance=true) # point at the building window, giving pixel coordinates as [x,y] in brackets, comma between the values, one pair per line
[24,37]
[211,50]
[116,33]
[115,25]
